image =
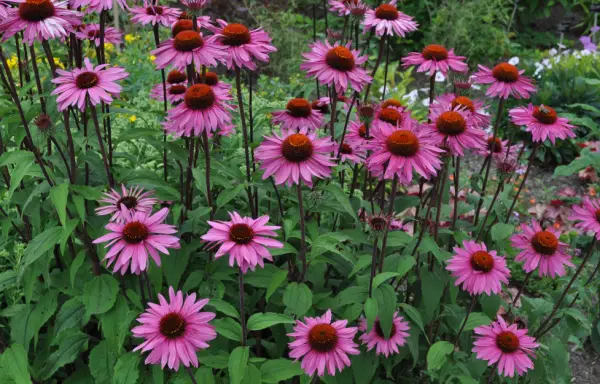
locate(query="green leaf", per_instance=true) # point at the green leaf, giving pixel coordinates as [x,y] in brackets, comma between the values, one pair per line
[216,362]
[252,375]
[75,265]
[382,277]
[371,311]
[405,264]
[432,288]
[502,231]
[227,195]
[398,239]
[20,171]
[341,198]
[59,195]
[276,371]
[238,361]
[364,367]
[475,320]
[438,354]
[386,303]
[14,362]
[116,324]
[297,298]
[7,278]
[260,321]
[277,279]
[204,375]
[100,294]
[126,369]
[68,351]
[70,316]
[27,324]
[224,307]
[229,328]
[102,362]
[41,244]
[16,157]
[413,315]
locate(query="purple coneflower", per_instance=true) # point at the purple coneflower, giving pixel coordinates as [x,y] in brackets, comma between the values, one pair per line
[455,130]
[505,80]
[588,216]
[154,14]
[387,20]
[189,47]
[375,338]
[542,122]
[298,114]
[435,58]
[135,199]
[92,32]
[476,108]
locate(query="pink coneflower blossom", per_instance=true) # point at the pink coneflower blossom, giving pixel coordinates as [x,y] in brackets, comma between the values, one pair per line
[541,248]
[337,65]
[455,130]
[39,20]
[92,32]
[242,45]
[506,80]
[476,108]
[321,105]
[477,269]
[358,9]
[245,240]
[375,338]
[136,237]
[387,20]
[212,79]
[390,114]
[189,47]
[435,58]
[195,6]
[354,153]
[402,150]
[342,7]
[174,330]
[188,25]
[588,216]
[499,149]
[3,10]
[542,122]
[295,156]
[97,5]
[91,83]
[204,108]
[155,14]
[298,114]
[176,83]
[135,199]
[357,134]
[322,344]
[506,345]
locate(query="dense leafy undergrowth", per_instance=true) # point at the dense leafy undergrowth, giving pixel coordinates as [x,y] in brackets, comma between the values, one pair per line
[324,228]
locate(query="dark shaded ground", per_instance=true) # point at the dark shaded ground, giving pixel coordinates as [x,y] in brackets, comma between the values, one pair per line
[585,366]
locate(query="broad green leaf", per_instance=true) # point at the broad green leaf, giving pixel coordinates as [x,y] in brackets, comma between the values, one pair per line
[127,369]
[227,195]
[277,371]
[14,362]
[364,367]
[102,362]
[215,361]
[204,375]
[432,288]
[27,324]
[405,264]
[238,361]
[342,198]
[224,307]
[100,293]
[371,311]
[17,175]
[41,244]
[67,352]
[438,354]
[7,278]
[386,303]
[260,321]
[476,319]
[59,195]
[229,328]
[252,375]
[116,324]
[297,298]
[75,265]
[277,279]
[502,231]
[16,157]
[413,315]
[71,315]
[382,277]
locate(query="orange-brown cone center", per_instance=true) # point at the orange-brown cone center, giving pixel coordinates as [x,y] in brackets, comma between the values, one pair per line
[597,214]
[177,89]
[235,34]
[495,145]
[435,52]
[340,58]
[182,25]
[322,338]
[86,80]
[544,242]
[362,131]
[507,342]
[36,10]
[135,232]
[299,107]
[175,77]
[346,149]
[297,148]
[211,78]
[402,143]
[154,10]
[545,115]
[391,103]
[390,115]
[321,107]
[482,261]
[241,233]
[386,12]
[187,41]
[506,72]
[462,102]
[199,96]
[172,325]
[129,202]
[451,123]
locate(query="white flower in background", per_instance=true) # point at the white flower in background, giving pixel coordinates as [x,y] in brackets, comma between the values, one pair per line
[562,46]
[439,77]
[577,55]
[476,86]
[586,52]
[425,102]
[514,60]
[412,97]
[553,52]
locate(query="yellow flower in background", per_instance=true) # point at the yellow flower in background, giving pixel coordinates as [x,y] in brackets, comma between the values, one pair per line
[108,47]
[12,62]
[132,119]
[131,38]
[58,63]
[152,57]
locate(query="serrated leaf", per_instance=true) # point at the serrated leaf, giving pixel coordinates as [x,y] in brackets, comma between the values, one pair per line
[68,350]
[224,307]
[276,371]
[69,316]
[438,354]
[41,244]
[102,362]
[59,195]
[260,321]
[14,362]
[229,328]
[126,369]
[227,195]
[382,277]
[297,298]
[238,361]
[278,278]
[100,294]
[502,231]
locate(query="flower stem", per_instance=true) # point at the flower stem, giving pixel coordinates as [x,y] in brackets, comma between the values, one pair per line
[189,371]
[564,294]
[377,62]
[487,214]
[207,173]
[302,252]
[519,292]
[246,144]
[334,98]
[489,157]
[242,311]
[101,144]
[385,72]
[531,159]
[388,221]
[339,158]
[165,105]
[471,306]
[373,266]
[456,195]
